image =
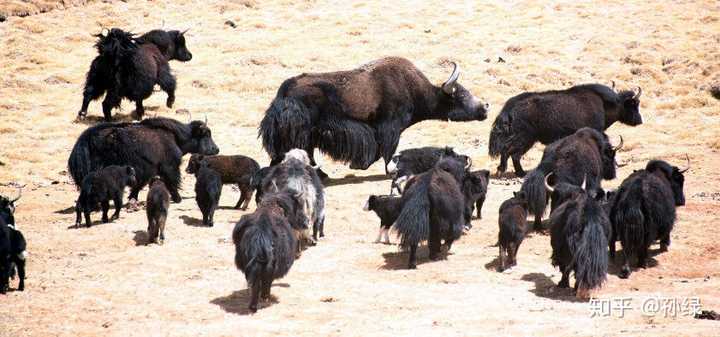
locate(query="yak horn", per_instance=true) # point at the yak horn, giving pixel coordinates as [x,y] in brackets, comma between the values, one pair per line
[638,93]
[184,31]
[19,195]
[469,163]
[584,183]
[205,119]
[547,186]
[619,146]
[449,86]
[688,164]
[189,116]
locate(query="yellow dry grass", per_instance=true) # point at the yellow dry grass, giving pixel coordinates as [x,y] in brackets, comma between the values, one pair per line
[91,282]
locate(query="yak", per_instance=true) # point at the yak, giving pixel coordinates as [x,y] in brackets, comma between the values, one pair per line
[236,169]
[387,208]
[357,116]
[579,231]
[585,157]
[643,210]
[432,209]
[512,222]
[418,160]
[12,245]
[295,174]
[126,69]
[154,146]
[170,43]
[551,115]
[101,186]
[208,188]
[474,189]
[266,242]
[156,209]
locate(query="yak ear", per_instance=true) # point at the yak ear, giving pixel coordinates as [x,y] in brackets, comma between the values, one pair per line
[486,173]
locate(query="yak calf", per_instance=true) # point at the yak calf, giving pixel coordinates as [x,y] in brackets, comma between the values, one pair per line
[208,186]
[233,170]
[158,203]
[12,246]
[100,187]
[513,227]
[387,208]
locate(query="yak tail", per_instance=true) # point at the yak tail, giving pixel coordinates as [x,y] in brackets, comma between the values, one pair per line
[79,163]
[287,125]
[347,140]
[534,188]
[629,220]
[413,223]
[254,254]
[591,258]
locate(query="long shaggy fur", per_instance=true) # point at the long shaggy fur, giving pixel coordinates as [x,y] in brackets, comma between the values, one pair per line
[287,125]
[413,223]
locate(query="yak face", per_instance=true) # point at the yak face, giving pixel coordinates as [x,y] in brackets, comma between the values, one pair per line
[463,106]
[181,52]
[370,203]
[677,180]
[131,176]
[563,192]
[630,108]
[201,140]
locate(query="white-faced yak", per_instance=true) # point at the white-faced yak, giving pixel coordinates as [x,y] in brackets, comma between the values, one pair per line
[266,242]
[433,205]
[579,231]
[154,146]
[551,115]
[127,69]
[387,208]
[643,210]
[357,116]
[583,157]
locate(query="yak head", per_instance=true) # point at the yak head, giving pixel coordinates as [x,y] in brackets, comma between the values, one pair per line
[674,175]
[609,163]
[7,208]
[562,191]
[201,139]
[521,198]
[629,109]
[453,166]
[458,103]
[131,177]
[177,49]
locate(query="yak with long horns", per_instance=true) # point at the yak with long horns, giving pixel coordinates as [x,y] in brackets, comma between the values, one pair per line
[357,116]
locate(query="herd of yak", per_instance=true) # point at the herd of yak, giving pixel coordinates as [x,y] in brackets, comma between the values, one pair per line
[357,117]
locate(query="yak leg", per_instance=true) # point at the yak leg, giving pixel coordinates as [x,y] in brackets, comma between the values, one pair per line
[171,176]
[434,243]
[665,243]
[565,280]
[503,163]
[248,197]
[139,110]
[105,208]
[244,198]
[537,224]
[321,226]
[255,292]
[167,83]
[117,201]
[4,273]
[86,212]
[412,261]
[20,264]
[112,99]
[211,216]
[516,152]
[380,233]
[519,171]
[152,230]
[643,256]
[625,270]
[266,290]
[503,263]
[386,230]
[478,205]
[94,86]
[311,153]
[161,229]
[611,244]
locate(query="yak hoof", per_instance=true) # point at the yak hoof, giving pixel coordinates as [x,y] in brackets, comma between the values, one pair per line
[624,273]
[170,101]
[663,247]
[253,308]
[412,266]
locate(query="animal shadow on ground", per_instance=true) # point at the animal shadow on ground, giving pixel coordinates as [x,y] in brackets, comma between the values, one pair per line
[399,260]
[94,223]
[140,238]
[98,118]
[69,210]
[545,287]
[237,302]
[190,221]
[353,179]
[615,265]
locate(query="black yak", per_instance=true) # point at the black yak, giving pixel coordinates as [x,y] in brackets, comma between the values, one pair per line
[551,115]
[156,209]
[154,146]
[583,157]
[266,242]
[418,160]
[474,189]
[387,208]
[357,116]
[233,170]
[579,231]
[171,43]
[643,210]
[125,69]
[295,173]
[257,180]
[101,186]
[512,222]
[12,246]
[432,210]
[208,187]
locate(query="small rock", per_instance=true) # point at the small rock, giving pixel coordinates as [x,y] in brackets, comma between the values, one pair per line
[428,31]
[500,59]
[328,299]
[715,91]
[230,23]
[708,314]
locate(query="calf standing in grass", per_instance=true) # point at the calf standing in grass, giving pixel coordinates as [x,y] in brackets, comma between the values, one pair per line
[208,185]
[100,187]
[513,227]
[158,203]
[266,242]
[233,170]
[387,208]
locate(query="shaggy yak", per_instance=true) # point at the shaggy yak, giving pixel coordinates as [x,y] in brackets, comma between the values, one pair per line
[208,187]
[126,69]
[583,157]
[579,231]
[156,208]
[154,146]
[12,246]
[170,43]
[432,209]
[266,242]
[418,160]
[387,208]
[512,221]
[294,173]
[551,115]
[643,210]
[101,186]
[357,116]
[233,170]
[475,189]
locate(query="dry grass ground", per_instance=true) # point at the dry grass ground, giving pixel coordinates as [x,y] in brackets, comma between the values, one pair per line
[103,281]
